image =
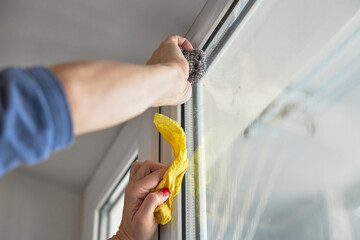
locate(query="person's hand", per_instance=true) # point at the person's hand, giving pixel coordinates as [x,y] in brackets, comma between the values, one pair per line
[169,53]
[138,221]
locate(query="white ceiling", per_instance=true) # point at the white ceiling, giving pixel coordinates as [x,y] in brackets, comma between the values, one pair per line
[44,32]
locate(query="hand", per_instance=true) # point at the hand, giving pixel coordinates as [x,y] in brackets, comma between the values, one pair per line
[169,53]
[138,220]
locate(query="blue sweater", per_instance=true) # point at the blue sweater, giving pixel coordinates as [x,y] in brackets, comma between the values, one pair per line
[35,118]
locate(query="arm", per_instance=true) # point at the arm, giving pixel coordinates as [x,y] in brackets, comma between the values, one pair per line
[103,94]
[39,113]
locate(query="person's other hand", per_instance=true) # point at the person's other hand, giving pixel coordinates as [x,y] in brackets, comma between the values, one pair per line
[138,221]
[169,53]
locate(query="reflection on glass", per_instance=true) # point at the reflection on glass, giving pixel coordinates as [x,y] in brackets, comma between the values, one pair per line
[280,133]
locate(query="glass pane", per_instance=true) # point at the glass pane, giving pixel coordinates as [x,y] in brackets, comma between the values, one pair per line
[110,213]
[279,126]
[116,210]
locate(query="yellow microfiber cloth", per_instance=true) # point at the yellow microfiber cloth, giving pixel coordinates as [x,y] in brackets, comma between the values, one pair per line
[173,134]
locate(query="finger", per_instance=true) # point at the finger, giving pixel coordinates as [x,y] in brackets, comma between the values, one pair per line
[146,168]
[151,180]
[134,168]
[181,41]
[187,45]
[152,201]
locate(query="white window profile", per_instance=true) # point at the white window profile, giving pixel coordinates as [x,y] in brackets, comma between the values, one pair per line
[110,213]
[138,139]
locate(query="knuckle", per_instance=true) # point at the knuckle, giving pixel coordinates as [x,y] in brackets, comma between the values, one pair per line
[152,197]
[173,37]
[170,39]
[148,163]
[135,165]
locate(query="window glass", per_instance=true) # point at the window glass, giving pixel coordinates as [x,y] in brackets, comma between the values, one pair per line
[278,126]
[111,212]
[116,210]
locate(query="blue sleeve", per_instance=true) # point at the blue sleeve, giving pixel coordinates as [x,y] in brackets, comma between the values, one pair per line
[35,118]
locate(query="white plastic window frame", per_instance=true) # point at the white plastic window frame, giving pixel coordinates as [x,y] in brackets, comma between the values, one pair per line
[106,210]
[137,138]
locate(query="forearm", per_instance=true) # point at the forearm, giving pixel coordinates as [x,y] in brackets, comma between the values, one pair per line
[103,94]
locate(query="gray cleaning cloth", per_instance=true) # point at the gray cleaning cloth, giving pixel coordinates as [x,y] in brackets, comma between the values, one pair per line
[197,64]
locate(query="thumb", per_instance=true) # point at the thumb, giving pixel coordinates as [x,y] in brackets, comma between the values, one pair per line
[152,201]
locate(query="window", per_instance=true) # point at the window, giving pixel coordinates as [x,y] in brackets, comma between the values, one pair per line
[138,140]
[273,129]
[110,213]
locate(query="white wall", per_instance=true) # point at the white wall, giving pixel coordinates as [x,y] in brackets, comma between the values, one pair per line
[33,209]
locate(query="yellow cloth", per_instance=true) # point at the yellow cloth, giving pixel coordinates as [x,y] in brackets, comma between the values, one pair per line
[173,134]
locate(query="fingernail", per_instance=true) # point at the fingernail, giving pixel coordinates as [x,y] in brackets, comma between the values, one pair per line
[165,192]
